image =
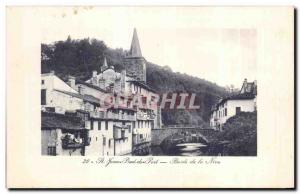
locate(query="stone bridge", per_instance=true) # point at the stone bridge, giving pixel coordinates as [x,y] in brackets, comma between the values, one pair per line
[158,135]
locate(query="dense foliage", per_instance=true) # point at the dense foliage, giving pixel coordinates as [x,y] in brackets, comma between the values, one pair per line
[80,57]
[240,131]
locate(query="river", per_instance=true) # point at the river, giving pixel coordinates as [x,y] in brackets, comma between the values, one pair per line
[182,149]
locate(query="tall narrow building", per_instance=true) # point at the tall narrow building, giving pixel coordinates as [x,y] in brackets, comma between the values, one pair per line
[134,62]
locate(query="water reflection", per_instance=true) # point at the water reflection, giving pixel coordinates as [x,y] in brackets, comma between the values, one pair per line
[182,149]
[189,149]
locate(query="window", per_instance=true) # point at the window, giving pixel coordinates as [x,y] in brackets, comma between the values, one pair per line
[92,124]
[96,139]
[152,124]
[237,110]
[104,141]
[51,151]
[123,134]
[109,143]
[128,103]
[129,128]
[144,99]
[141,136]
[106,125]
[225,112]
[99,125]
[43,81]
[80,89]
[133,124]
[43,96]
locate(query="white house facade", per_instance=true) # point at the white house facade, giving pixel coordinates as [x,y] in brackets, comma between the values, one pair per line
[118,109]
[228,107]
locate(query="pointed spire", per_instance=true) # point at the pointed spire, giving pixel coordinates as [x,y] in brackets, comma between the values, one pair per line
[104,66]
[135,50]
[105,62]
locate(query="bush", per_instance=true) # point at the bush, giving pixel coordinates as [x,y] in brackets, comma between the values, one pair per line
[241,133]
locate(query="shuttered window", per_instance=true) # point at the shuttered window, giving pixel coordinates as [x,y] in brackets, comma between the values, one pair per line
[43,96]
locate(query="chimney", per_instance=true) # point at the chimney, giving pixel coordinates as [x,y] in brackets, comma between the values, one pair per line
[81,90]
[94,78]
[123,79]
[94,73]
[71,81]
[244,86]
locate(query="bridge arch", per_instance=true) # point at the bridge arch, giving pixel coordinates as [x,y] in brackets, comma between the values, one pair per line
[159,135]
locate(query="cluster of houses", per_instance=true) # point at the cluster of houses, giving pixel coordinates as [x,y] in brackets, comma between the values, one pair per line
[244,101]
[100,116]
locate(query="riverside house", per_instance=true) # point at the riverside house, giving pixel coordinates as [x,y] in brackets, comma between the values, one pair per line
[118,109]
[244,101]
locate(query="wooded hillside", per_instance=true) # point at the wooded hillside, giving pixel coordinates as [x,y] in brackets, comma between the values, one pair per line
[80,57]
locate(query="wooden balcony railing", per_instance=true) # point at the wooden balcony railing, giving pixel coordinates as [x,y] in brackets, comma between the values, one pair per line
[145,116]
[110,115]
[71,144]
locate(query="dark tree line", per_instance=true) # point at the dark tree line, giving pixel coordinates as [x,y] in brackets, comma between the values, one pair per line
[80,57]
[240,133]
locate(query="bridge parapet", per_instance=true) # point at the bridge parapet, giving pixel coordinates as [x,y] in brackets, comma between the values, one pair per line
[158,135]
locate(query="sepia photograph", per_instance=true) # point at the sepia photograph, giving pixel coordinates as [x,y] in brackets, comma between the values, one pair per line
[128,96]
[104,101]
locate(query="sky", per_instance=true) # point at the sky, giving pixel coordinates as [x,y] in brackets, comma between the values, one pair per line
[196,41]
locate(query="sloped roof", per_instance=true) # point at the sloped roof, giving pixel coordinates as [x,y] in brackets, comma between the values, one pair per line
[240,96]
[250,87]
[248,94]
[135,50]
[91,99]
[91,86]
[85,97]
[142,84]
[244,96]
[122,108]
[54,120]
[70,93]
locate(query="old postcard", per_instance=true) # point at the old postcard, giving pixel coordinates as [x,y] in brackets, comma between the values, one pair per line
[125,97]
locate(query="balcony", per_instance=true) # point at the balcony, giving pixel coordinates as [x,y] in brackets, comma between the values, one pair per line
[137,142]
[145,116]
[126,117]
[68,143]
[97,114]
[110,115]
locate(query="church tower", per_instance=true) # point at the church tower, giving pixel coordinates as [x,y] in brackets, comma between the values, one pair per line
[135,63]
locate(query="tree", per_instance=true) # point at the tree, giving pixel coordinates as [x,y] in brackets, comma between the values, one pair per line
[241,133]
[80,57]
